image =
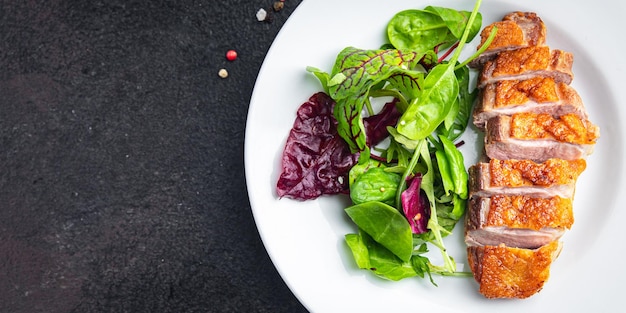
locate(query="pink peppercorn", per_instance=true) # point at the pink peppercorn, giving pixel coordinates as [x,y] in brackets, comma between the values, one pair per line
[231,55]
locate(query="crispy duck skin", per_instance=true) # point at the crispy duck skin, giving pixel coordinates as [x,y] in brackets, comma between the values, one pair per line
[516,211]
[554,177]
[526,63]
[536,95]
[505,272]
[539,137]
[517,221]
[516,30]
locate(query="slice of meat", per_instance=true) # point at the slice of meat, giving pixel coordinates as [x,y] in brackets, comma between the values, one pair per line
[536,95]
[539,137]
[520,212]
[516,30]
[525,63]
[554,177]
[512,237]
[505,272]
[517,221]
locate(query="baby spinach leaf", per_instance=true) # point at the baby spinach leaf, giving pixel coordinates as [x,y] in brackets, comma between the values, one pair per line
[456,21]
[322,76]
[387,265]
[456,167]
[458,117]
[458,207]
[359,169]
[371,255]
[386,225]
[359,250]
[444,171]
[417,30]
[375,184]
[427,111]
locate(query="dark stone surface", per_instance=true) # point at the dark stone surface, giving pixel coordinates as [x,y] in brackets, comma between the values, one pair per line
[122,186]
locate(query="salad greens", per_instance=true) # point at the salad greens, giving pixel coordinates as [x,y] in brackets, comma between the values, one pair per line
[409,192]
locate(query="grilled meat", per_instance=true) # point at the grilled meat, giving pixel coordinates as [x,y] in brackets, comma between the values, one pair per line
[512,237]
[527,63]
[516,30]
[537,95]
[518,211]
[539,137]
[505,272]
[517,221]
[554,177]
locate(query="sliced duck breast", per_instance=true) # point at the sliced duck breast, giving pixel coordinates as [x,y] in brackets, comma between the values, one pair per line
[506,272]
[528,62]
[539,137]
[519,211]
[554,177]
[516,30]
[537,95]
[512,237]
[517,221]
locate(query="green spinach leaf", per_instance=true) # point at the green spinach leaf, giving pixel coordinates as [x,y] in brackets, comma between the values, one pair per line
[427,111]
[375,184]
[417,30]
[386,225]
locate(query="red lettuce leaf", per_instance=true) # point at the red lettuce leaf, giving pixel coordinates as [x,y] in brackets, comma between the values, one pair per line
[376,125]
[316,160]
[415,205]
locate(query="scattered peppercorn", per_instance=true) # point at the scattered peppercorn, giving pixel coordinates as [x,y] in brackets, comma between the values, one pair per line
[231,55]
[278,5]
[223,73]
[261,15]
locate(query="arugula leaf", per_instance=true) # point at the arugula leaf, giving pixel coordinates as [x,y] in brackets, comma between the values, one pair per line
[421,264]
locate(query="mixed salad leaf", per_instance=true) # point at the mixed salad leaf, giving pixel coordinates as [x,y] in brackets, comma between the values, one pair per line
[400,164]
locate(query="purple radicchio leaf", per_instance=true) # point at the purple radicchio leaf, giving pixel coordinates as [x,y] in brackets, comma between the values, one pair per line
[316,160]
[415,205]
[376,125]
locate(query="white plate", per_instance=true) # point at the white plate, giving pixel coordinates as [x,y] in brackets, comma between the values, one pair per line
[305,239]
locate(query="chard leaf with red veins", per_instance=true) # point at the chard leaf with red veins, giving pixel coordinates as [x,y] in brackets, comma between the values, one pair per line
[354,73]
[315,161]
[415,206]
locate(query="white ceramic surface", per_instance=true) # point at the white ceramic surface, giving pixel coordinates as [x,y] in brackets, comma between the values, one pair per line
[305,239]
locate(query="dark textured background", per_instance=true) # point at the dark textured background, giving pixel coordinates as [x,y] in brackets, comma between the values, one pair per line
[122,185]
